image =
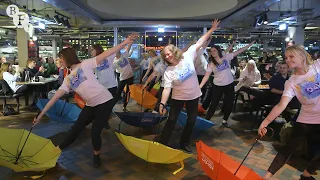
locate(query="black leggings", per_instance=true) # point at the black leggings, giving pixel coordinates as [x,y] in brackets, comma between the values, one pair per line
[203,89]
[207,98]
[113,91]
[121,85]
[218,91]
[151,84]
[301,132]
[98,115]
[175,108]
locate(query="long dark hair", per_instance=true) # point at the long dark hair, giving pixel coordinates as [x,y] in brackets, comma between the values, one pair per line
[69,56]
[212,59]
[98,48]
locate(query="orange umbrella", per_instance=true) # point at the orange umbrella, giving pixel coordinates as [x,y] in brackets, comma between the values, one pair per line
[147,100]
[219,166]
[79,100]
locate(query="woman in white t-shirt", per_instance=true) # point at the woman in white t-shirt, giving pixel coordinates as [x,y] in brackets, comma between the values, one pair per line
[98,99]
[122,64]
[250,76]
[105,72]
[305,85]
[180,76]
[222,82]
[152,64]
[144,64]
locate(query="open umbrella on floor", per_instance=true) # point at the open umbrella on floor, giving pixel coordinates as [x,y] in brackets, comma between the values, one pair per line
[140,119]
[153,152]
[219,166]
[61,111]
[21,150]
[201,123]
[146,99]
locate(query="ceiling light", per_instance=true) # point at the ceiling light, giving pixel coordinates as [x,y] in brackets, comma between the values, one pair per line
[283,26]
[41,25]
[34,38]
[160,39]
[160,30]
[57,19]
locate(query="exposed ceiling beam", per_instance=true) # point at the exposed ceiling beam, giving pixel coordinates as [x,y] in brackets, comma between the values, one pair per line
[75,6]
[253,4]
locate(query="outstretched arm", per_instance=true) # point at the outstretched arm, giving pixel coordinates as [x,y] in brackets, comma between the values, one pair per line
[230,47]
[207,35]
[243,49]
[117,48]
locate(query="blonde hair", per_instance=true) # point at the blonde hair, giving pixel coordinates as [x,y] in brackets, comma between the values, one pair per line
[4,68]
[299,51]
[177,53]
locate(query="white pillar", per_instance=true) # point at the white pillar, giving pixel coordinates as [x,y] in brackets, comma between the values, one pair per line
[22,41]
[54,49]
[265,45]
[205,30]
[115,36]
[296,34]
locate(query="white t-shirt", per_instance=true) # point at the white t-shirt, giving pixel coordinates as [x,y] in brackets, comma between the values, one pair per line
[307,89]
[161,68]
[201,63]
[123,66]
[83,81]
[105,73]
[144,64]
[154,61]
[222,72]
[11,80]
[182,78]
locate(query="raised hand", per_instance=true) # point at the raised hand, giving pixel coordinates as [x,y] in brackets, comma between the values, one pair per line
[132,37]
[215,24]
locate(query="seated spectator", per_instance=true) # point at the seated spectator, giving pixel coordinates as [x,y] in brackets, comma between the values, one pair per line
[33,72]
[250,76]
[277,81]
[50,67]
[5,74]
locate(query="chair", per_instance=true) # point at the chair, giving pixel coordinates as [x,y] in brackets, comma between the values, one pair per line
[8,94]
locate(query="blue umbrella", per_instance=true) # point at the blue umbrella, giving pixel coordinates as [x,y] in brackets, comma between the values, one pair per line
[61,111]
[140,119]
[201,123]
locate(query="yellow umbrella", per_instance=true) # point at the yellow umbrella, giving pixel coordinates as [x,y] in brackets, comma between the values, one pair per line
[21,151]
[153,151]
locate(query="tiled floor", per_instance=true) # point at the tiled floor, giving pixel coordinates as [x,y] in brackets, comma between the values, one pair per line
[75,162]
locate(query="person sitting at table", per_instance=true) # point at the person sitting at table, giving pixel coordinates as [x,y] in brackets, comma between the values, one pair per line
[31,68]
[50,67]
[11,79]
[250,76]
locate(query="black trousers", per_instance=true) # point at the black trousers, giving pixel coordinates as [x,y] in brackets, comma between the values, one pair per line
[218,91]
[113,91]
[175,108]
[98,116]
[209,91]
[301,132]
[121,85]
[151,84]
[203,89]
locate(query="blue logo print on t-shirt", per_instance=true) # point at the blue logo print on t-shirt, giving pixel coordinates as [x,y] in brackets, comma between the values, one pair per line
[77,78]
[223,66]
[311,89]
[123,62]
[184,73]
[103,65]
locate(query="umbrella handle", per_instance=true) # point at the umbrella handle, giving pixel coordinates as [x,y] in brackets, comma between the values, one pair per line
[17,159]
[255,142]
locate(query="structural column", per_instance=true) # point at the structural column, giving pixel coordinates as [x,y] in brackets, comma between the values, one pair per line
[54,49]
[22,41]
[296,34]
[265,45]
[115,36]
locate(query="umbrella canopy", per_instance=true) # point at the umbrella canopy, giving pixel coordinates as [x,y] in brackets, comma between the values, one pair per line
[201,123]
[79,100]
[147,101]
[38,153]
[219,166]
[153,152]
[140,119]
[61,111]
